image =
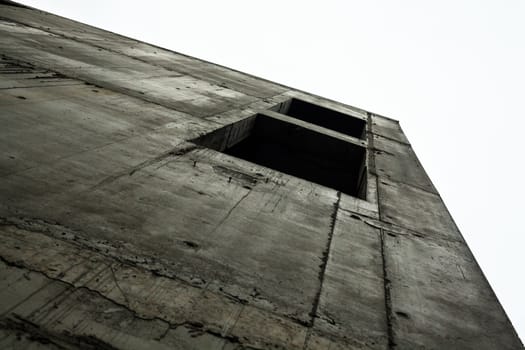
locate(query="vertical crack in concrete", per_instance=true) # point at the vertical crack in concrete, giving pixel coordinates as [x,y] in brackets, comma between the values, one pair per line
[386,280]
[388,298]
[326,255]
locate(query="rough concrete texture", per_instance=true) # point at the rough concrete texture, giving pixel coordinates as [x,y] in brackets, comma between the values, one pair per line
[118,231]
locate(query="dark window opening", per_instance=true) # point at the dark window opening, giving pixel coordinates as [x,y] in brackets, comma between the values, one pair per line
[322,116]
[294,150]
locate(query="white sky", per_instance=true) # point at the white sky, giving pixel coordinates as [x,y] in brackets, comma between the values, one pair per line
[453,73]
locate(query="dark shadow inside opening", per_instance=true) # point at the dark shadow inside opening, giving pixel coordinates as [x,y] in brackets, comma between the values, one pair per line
[322,116]
[296,151]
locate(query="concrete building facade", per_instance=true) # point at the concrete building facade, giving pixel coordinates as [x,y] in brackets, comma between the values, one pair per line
[151,200]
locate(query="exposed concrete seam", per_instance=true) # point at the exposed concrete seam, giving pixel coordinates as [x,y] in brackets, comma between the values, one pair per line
[395,229]
[435,193]
[386,280]
[358,213]
[388,296]
[83,243]
[391,139]
[326,256]
[379,151]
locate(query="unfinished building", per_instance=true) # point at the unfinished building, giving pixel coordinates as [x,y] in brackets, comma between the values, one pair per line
[151,200]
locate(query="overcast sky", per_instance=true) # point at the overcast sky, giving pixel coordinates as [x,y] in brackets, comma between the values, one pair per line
[452,72]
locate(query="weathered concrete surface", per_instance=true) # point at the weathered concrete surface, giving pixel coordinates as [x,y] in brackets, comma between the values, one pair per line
[437,295]
[352,296]
[118,232]
[397,161]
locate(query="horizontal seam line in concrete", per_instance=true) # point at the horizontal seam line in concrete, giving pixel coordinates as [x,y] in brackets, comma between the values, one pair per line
[390,227]
[125,261]
[389,139]
[379,176]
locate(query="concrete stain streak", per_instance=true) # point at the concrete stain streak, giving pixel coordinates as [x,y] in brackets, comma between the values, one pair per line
[230,211]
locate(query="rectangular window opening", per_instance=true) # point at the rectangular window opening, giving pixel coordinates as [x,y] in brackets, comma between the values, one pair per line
[294,150]
[322,116]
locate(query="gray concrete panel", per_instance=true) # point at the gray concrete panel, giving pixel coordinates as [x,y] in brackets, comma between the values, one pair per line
[352,303]
[440,300]
[397,162]
[417,210]
[388,128]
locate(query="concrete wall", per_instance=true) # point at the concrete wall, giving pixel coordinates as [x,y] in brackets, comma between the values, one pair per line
[118,232]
